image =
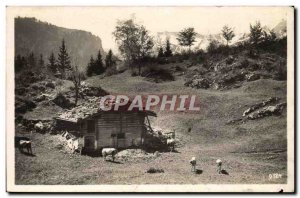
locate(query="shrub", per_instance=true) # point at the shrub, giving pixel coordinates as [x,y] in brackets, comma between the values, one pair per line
[212,46]
[281,72]
[157,74]
[155,170]
[111,71]
[134,73]
[244,63]
[197,57]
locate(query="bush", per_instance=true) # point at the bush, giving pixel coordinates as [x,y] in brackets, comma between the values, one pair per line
[212,46]
[63,102]
[229,60]
[278,46]
[155,170]
[197,57]
[111,71]
[134,73]
[281,72]
[157,74]
[244,63]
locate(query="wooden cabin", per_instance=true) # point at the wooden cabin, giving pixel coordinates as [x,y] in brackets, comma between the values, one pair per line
[116,129]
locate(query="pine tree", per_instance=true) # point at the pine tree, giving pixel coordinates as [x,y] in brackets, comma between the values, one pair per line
[255,33]
[168,51]
[31,60]
[52,63]
[109,59]
[90,67]
[98,66]
[160,52]
[18,63]
[24,62]
[64,63]
[41,61]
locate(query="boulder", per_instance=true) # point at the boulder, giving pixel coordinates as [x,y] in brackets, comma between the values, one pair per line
[229,60]
[252,77]
[40,98]
[61,101]
[229,80]
[200,83]
[267,111]
[39,127]
[50,85]
[259,105]
[38,87]
[93,91]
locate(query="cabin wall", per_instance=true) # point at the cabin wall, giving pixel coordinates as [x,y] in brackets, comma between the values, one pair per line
[89,137]
[115,129]
[64,125]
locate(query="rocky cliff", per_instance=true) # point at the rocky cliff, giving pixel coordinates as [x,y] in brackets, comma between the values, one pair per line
[32,35]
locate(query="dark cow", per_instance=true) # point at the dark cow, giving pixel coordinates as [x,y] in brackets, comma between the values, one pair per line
[23,143]
[27,145]
[18,139]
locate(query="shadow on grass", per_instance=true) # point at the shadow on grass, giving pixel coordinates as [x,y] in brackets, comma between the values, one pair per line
[175,151]
[198,171]
[28,154]
[116,162]
[224,172]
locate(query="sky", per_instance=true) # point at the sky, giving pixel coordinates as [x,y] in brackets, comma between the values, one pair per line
[101,21]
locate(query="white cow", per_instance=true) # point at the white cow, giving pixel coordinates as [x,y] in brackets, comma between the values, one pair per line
[193,163]
[219,166]
[171,144]
[109,151]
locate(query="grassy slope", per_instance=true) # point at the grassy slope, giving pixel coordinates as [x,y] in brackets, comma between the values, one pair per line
[250,151]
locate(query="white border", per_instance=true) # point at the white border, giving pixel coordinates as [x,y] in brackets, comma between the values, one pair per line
[158,188]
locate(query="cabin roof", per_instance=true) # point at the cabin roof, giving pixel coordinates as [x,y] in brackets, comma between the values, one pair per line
[91,108]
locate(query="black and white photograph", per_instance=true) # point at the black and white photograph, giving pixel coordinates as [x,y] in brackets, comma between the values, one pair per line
[150,99]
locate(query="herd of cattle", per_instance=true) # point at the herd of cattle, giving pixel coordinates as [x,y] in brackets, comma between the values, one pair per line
[73,143]
[25,144]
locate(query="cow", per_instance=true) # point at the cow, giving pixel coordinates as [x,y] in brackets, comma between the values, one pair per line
[25,144]
[18,139]
[109,151]
[193,163]
[171,144]
[219,166]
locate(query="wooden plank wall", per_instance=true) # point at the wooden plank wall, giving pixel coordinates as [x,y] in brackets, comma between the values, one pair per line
[132,124]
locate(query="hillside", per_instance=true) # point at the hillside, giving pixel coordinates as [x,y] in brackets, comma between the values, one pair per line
[241,90]
[251,149]
[43,38]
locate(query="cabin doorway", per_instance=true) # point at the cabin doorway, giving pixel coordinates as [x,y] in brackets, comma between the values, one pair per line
[89,142]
